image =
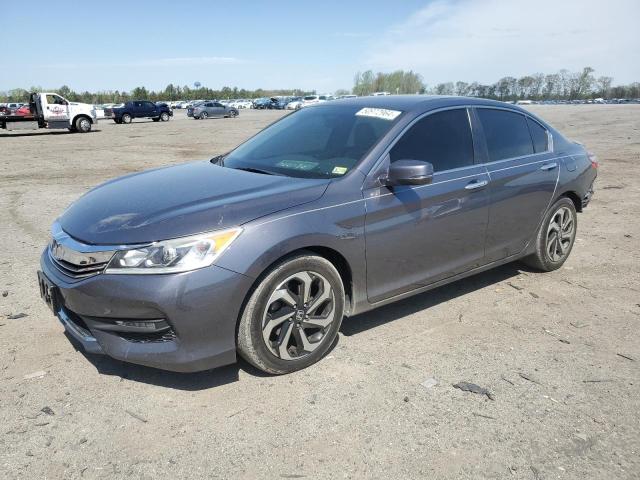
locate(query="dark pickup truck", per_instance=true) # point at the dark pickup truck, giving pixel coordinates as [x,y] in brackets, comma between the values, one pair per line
[139,109]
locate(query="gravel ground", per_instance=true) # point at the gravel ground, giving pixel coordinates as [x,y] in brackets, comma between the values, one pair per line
[559,352]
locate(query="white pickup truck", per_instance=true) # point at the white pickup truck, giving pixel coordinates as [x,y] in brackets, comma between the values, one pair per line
[50,110]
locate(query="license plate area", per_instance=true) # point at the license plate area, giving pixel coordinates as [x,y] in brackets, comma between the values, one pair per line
[49,292]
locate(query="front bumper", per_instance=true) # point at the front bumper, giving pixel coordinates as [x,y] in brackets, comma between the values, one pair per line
[198,311]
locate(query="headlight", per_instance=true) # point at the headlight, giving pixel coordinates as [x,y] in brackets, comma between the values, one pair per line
[173,256]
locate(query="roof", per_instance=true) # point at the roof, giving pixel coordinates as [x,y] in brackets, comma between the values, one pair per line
[407,103]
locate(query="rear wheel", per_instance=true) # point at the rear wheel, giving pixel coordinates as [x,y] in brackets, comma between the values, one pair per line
[126,118]
[554,240]
[82,125]
[292,318]
[204,115]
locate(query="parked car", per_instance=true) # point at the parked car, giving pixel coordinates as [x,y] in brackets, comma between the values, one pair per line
[314,99]
[23,110]
[13,106]
[262,103]
[279,103]
[261,252]
[191,107]
[100,111]
[295,103]
[214,109]
[242,104]
[141,109]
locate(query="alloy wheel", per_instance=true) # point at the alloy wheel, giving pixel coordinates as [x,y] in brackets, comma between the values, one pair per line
[560,234]
[298,314]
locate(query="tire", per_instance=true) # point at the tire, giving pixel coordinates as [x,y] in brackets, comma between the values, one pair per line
[164,116]
[82,125]
[233,113]
[126,118]
[306,332]
[204,115]
[551,249]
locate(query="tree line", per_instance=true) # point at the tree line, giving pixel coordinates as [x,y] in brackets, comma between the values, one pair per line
[171,92]
[563,85]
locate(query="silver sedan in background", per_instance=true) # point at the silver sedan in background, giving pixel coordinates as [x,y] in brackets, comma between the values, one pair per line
[213,109]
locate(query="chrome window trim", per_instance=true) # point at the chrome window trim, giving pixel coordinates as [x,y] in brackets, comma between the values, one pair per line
[485,172]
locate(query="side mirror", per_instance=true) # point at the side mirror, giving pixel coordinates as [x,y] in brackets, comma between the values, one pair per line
[409,172]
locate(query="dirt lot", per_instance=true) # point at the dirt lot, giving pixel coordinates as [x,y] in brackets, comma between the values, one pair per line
[560,352]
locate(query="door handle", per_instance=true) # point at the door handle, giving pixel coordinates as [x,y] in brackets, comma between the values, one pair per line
[476,184]
[549,166]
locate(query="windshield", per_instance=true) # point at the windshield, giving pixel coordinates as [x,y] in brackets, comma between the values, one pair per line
[319,142]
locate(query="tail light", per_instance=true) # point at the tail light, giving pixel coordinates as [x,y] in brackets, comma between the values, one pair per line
[593,158]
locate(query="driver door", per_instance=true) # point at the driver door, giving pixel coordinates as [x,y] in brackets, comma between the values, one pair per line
[55,108]
[217,110]
[417,235]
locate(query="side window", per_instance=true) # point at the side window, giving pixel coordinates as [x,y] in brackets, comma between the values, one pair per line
[506,134]
[443,139]
[137,104]
[150,104]
[55,100]
[218,105]
[538,135]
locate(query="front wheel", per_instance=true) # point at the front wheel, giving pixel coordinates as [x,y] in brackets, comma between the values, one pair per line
[126,118]
[554,240]
[293,316]
[82,125]
[164,116]
[233,113]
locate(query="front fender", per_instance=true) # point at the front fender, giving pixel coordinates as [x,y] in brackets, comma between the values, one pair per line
[338,227]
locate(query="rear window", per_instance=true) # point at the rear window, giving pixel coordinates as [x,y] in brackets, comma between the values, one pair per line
[506,133]
[539,136]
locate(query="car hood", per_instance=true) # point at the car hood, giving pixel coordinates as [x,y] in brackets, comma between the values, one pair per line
[181,200]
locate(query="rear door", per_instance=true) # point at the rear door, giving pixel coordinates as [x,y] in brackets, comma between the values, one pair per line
[418,235]
[138,109]
[524,174]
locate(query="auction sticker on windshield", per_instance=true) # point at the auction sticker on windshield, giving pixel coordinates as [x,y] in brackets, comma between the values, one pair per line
[382,113]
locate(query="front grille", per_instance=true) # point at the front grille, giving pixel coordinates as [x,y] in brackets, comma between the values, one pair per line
[156,337]
[77,271]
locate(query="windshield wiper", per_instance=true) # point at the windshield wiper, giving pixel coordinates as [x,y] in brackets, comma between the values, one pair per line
[255,170]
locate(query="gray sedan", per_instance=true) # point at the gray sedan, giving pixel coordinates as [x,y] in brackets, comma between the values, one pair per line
[213,109]
[332,211]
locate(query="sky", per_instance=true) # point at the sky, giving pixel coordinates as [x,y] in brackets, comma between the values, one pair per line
[118,45]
